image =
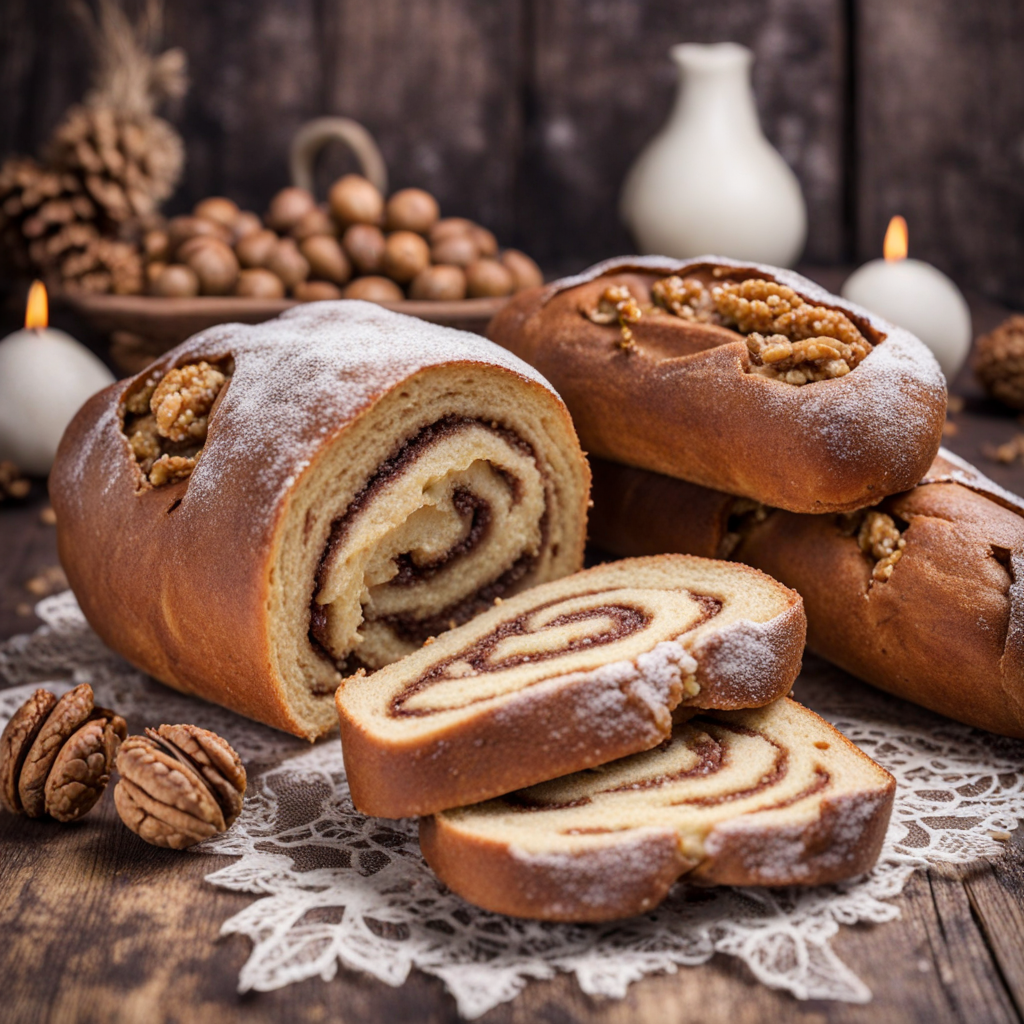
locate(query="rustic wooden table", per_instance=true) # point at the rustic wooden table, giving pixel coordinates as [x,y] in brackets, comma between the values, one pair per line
[98,926]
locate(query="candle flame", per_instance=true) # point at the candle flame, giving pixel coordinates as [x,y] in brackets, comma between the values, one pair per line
[37,312]
[895,245]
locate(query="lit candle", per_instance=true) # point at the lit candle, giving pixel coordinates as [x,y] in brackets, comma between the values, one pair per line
[914,295]
[45,376]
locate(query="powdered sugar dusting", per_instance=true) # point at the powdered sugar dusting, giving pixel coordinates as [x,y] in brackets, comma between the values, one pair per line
[318,363]
[962,472]
[887,402]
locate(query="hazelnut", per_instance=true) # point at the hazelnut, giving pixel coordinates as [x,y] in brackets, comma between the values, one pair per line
[180,229]
[156,244]
[365,246]
[459,249]
[412,209]
[525,273]
[190,245]
[450,226]
[176,281]
[257,283]
[316,291]
[215,264]
[488,278]
[405,255]
[486,243]
[288,263]
[326,259]
[218,209]
[316,222]
[254,249]
[247,223]
[438,283]
[354,200]
[373,289]
[153,271]
[288,207]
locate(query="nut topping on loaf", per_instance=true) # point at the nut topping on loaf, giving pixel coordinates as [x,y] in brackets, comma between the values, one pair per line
[166,420]
[788,338]
[772,796]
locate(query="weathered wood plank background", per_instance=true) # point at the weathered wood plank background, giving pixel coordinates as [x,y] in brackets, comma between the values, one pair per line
[525,114]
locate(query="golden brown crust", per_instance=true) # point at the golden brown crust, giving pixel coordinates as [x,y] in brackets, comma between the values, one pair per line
[677,398]
[945,630]
[177,578]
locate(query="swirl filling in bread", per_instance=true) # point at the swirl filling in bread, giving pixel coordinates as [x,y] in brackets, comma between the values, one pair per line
[571,674]
[770,796]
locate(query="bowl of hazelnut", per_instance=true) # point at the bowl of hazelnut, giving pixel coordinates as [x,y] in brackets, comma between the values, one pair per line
[221,263]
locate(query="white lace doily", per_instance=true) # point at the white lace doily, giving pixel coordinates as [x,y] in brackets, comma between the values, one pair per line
[333,886]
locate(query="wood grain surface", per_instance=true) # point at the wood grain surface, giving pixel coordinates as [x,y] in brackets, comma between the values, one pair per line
[99,927]
[525,114]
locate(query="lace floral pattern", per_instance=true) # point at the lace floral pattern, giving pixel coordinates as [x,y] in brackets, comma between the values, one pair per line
[334,887]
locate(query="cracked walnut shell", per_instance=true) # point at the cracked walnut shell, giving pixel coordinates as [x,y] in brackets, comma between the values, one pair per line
[56,755]
[179,785]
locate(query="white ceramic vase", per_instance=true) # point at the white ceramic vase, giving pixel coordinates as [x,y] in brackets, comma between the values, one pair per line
[710,182]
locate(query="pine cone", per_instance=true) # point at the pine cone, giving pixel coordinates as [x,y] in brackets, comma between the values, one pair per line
[999,362]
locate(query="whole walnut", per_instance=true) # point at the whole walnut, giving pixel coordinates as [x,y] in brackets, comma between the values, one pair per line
[314,222]
[56,755]
[181,229]
[999,362]
[179,785]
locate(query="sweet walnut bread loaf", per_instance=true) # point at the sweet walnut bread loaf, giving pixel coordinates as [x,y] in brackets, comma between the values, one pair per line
[748,379]
[920,595]
[271,507]
[565,676]
[771,796]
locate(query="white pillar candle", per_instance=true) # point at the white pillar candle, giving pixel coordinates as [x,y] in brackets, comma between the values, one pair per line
[45,376]
[916,296]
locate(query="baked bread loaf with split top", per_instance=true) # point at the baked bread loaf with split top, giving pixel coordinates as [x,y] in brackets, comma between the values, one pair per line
[920,595]
[772,796]
[567,675]
[748,379]
[268,508]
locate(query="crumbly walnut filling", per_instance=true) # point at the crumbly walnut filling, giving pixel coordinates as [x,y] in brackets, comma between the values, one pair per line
[166,421]
[789,339]
[617,305]
[879,537]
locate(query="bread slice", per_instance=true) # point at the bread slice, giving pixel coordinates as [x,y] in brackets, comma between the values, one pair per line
[567,675]
[771,796]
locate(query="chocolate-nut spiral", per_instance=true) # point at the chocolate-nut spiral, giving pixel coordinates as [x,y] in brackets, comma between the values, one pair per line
[574,673]
[770,796]
[270,507]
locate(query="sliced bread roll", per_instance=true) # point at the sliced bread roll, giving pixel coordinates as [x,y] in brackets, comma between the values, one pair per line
[771,796]
[565,676]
